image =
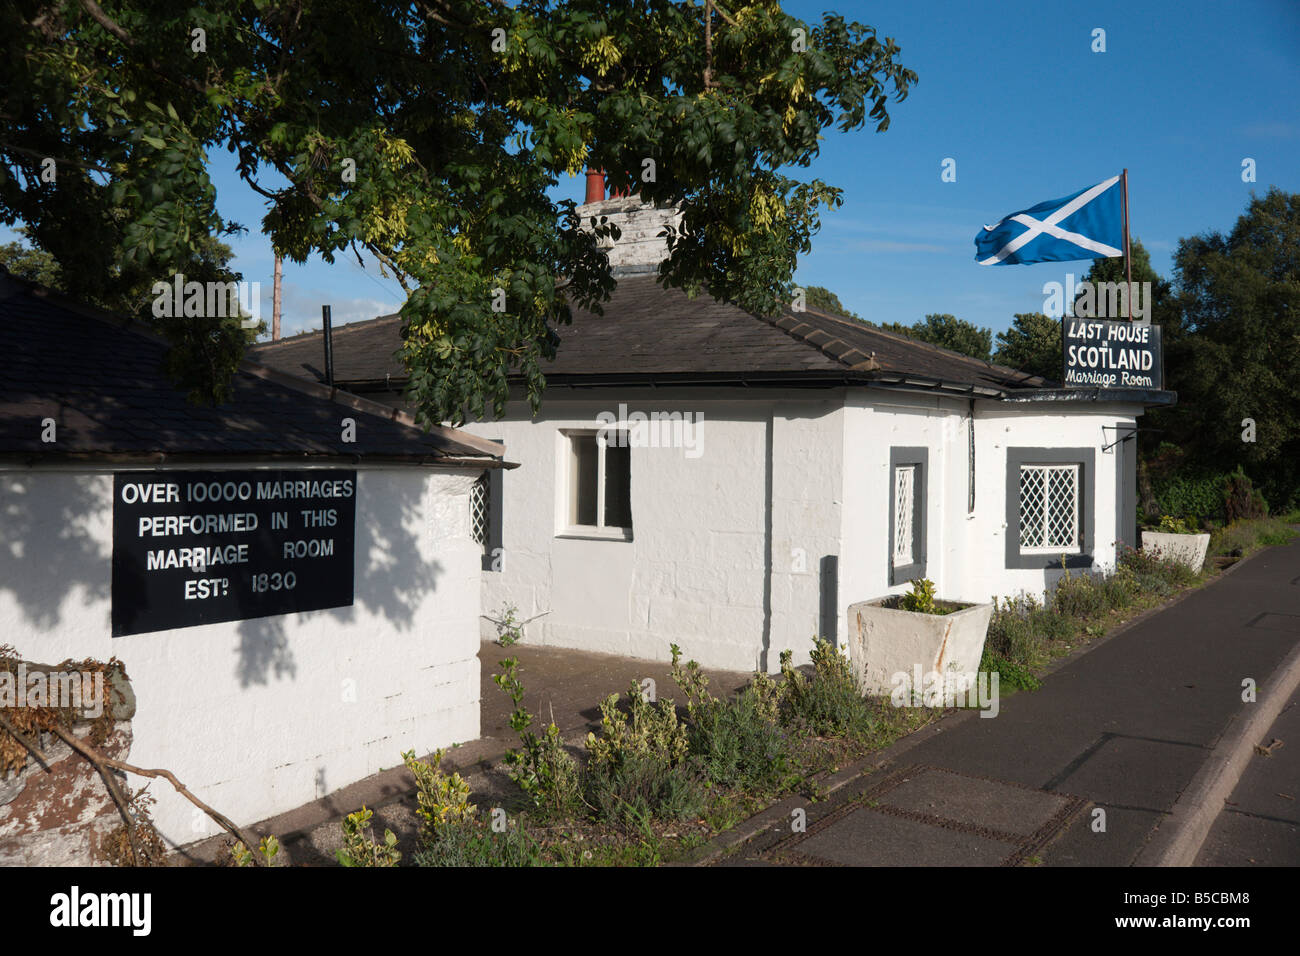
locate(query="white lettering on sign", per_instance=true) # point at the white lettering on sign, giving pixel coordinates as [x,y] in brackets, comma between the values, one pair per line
[316,548]
[199,589]
[197,559]
[271,490]
[163,525]
[134,492]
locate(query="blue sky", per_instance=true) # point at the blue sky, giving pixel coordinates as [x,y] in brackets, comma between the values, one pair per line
[1013,92]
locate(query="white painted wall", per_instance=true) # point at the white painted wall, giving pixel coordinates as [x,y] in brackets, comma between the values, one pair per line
[252,716]
[713,569]
[696,570]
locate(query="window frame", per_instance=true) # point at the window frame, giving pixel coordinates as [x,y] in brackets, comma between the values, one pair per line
[564,479]
[917,457]
[1085,507]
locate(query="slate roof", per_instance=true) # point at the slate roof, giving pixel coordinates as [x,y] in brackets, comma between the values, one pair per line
[99,377]
[652,334]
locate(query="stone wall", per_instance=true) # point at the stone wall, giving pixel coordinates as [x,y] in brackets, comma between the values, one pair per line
[56,815]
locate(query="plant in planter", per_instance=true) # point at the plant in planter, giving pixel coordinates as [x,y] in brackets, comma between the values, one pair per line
[914,634]
[1175,541]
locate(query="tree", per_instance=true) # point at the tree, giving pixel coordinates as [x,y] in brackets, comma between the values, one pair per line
[819,297]
[1032,345]
[427,135]
[33,265]
[1237,354]
[949,332]
[1112,270]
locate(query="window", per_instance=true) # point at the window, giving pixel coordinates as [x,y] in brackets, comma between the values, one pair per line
[480,511]
[904,508]
[1049,507]
[599,484]
[907,504]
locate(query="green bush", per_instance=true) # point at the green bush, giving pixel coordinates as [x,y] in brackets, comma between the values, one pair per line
[542,768]
[1241,501]
[359,849]
[474,844]
[827,704]
[1010,674]
[1193,496]
[739,745]
[644,785]
[920,597]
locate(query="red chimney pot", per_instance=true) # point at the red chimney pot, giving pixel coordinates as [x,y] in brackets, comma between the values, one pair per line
[595,185]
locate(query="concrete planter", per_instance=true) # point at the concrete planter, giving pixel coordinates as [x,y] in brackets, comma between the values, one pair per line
[885,641]
[1188,549]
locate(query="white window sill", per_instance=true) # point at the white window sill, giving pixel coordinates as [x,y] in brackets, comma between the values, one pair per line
[595,534]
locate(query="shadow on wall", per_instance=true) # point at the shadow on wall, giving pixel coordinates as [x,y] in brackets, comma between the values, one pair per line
[48,543]
[391,578]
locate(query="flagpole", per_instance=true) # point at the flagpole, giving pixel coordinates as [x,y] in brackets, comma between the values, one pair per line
[1128,259]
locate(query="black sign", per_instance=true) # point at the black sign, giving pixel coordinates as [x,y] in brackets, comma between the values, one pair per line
[199,547]
[1102,353]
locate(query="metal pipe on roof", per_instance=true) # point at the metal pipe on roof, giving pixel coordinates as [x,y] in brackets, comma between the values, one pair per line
[328,338]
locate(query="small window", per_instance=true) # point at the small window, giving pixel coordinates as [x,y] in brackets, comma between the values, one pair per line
[480,511]
[907,513]
[599,483]
[1049,509]
[904,509]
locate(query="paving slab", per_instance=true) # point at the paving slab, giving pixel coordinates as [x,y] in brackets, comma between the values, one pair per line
[1260,822]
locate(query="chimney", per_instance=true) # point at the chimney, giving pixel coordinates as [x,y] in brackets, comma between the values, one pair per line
[595,185]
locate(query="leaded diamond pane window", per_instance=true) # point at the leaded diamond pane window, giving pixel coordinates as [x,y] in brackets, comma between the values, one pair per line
[479,511]
[904,507]
[1049,508]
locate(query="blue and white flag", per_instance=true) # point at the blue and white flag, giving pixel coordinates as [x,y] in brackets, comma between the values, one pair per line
[1086,225]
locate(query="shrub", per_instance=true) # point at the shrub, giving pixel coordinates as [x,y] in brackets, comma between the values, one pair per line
[739,742]
[827,704]
[1153,574]
[1080,596]
[739,745]
[644,785]
[648,730]
[474,844]
[1195,496]
[543,769]
[1241,502]
[443,800]
[1010,674]
[920,598]
[1172,525]
[359,849]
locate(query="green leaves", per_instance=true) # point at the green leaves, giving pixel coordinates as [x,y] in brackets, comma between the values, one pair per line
[454,148]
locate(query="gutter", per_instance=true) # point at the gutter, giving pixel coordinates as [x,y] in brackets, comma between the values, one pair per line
[155,459]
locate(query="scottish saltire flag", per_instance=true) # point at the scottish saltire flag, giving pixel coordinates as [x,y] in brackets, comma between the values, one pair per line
[1086,225]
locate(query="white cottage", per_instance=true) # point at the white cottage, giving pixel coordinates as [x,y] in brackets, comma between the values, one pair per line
[730,483]
[289,578]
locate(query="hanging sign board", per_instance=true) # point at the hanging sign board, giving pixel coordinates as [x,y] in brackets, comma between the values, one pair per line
[200,547]
[1105,353]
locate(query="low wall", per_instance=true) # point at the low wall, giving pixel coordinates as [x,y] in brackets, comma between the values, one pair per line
[57,814]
